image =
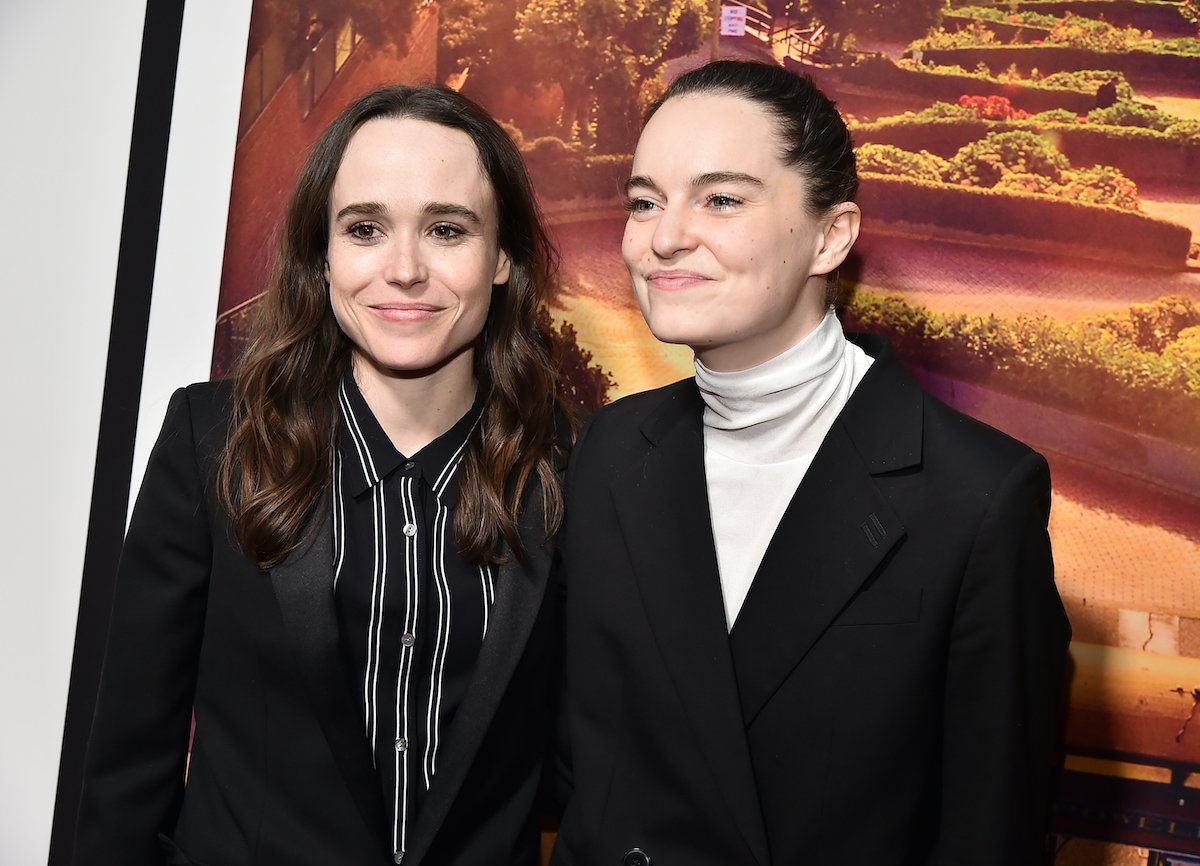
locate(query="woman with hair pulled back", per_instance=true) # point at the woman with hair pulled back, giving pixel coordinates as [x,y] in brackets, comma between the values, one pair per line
[337,562]
[810,610]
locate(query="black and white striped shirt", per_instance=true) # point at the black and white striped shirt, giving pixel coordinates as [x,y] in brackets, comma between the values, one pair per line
[413,613]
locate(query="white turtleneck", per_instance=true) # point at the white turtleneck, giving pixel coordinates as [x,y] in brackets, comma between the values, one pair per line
[762,427]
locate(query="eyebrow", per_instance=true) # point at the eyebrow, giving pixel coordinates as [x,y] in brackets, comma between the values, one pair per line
[434,208]
[445,209]
[709,178]
[361,208]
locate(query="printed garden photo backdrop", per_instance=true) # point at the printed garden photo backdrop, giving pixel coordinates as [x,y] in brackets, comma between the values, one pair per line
[1031,199]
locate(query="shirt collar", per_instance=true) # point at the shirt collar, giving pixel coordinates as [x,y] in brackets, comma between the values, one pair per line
[368,455]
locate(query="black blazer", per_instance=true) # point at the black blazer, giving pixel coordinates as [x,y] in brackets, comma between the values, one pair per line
[887,692]
[281,771]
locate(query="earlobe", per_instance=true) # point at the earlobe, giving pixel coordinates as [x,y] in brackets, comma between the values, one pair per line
[841,231]
[327,272]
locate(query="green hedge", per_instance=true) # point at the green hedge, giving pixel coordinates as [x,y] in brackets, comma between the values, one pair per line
[1074,91]
[1004,31]
[1004,16]
[1142,154]
[1135,65]
[948,85]
[1091,231]
[1083,367]
[1159,16]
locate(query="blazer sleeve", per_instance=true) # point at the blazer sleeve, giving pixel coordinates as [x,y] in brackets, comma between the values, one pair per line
[137,751]
[1005,677]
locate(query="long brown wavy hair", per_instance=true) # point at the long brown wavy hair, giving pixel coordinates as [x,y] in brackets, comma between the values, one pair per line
[277,463]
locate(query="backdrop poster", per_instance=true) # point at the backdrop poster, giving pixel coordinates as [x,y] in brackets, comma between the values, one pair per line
[1030,193]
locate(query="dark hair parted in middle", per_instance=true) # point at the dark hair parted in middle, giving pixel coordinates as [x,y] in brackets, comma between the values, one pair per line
[812,133]
[277,463]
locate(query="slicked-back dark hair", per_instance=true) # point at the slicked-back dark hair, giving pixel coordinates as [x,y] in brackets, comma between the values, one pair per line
[813,136]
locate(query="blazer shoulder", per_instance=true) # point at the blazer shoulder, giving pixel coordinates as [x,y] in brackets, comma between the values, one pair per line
[213,398]
[951,432]
[629,413]
[616,434]
[204,407]
[890,403]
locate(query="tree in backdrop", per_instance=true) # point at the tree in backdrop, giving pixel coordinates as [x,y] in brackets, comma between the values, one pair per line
[478,37]
[585,383]
[898,20]
[298,25]
[1191,11]
[602,53]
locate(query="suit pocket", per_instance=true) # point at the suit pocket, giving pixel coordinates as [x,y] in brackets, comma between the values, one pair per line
[880,606]
[174,856]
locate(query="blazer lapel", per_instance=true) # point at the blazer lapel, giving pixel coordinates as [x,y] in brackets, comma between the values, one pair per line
[835,532]
[520,589]
[304,589]
[662,505]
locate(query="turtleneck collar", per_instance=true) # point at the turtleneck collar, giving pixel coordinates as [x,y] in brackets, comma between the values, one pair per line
[782,408]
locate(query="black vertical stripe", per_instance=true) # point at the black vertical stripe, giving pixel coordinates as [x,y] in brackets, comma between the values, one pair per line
[122,394]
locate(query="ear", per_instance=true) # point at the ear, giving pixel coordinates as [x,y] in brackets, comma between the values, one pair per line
[839,232]
[327,272]
[503,268]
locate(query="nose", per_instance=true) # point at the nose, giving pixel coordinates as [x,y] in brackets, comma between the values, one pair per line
[673,231]
[404,265]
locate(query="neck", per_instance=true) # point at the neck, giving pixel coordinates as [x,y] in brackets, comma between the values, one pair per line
[415,409]
[743,354]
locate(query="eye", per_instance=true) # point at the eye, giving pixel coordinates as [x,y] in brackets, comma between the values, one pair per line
[364,231]
[446,231]
[722,201]
[636,206]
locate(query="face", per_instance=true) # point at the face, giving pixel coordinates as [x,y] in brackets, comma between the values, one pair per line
[723,254]
[412,250]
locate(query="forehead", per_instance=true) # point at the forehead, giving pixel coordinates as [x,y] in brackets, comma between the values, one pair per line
[701,132]
[409,158]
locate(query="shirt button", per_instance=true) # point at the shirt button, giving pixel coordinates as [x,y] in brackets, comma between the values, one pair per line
[402,745]
[410,465]
[408,638]
[410,529]
[636,857]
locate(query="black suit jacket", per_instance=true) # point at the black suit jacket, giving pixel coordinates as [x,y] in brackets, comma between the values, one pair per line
[886,694]
[281,771]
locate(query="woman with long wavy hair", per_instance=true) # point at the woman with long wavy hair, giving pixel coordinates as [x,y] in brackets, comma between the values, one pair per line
[337,562]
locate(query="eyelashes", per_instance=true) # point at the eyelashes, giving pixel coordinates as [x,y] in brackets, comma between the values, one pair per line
[369,232]
[447,231]
[363,231]
[718,201]
[722,201]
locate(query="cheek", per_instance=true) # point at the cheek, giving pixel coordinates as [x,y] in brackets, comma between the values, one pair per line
[474,305]
[342,312]
[633,243]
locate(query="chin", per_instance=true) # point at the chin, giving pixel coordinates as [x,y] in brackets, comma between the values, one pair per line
[674,336]
[680,333]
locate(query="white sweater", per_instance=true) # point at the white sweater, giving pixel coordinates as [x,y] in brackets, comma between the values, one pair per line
[762,427]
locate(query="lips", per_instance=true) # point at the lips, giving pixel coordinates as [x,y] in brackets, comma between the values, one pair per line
[675,280]
[405,312]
